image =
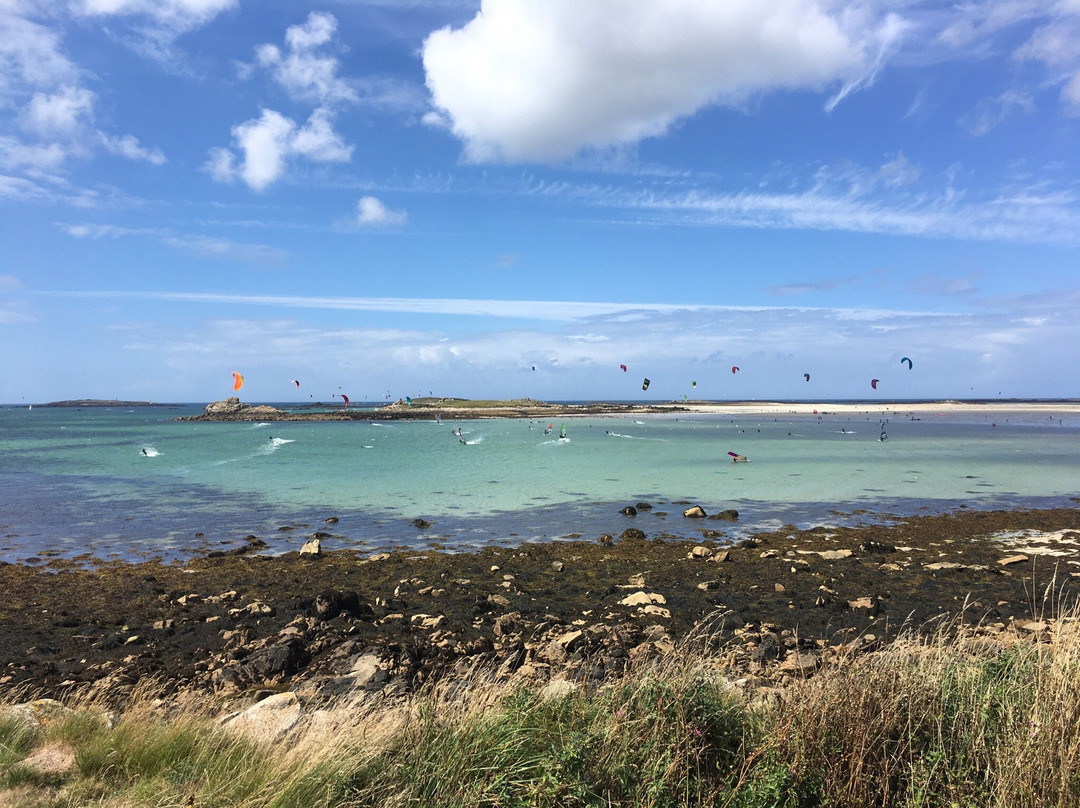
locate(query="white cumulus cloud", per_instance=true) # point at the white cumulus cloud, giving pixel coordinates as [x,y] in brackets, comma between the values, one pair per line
[305,73]
[267,144]
[541,79]
[371,212]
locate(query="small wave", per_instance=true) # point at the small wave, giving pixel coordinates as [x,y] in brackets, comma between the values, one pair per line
[281,441]
[474,442]
[259,425]
[150,451]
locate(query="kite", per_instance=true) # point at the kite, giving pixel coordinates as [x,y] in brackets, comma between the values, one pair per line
[734,368]
[237,381]
[873,383]
[905,359]
[297,383]
[346,399]
[806,376]
[645,385]
[623,368]
[693,384]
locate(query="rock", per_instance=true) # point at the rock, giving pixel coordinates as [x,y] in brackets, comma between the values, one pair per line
[507,624]
[312,548]
[943,565]
[367,670]
[37,714]
[1014,559]
[569,639]
[637,580]
[1034,626]
[422,524]
[629,510]
[701,551]
[557,566]
[721,557]
[834,555]
[642,599]
[728,515]
[427,621]
[862,603]
[282,659]
[644,506]
[871,546]
[802,664]
[330,520]
[653,609]
[558,689]
[695,512]
[51,760]
[708,585]
[333,604]
[779,587]
[632,534]
[270,718]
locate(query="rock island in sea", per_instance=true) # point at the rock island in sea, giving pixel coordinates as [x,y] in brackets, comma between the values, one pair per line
[232,409]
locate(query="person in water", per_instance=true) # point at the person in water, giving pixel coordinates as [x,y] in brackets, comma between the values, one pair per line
[738,457]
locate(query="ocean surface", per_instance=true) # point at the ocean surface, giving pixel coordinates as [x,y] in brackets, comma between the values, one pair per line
[133,482]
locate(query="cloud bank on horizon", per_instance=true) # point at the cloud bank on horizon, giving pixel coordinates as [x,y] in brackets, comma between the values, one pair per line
[446,196]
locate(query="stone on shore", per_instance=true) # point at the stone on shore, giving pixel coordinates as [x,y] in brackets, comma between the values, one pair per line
[312,548]
[695,512]
[268,719]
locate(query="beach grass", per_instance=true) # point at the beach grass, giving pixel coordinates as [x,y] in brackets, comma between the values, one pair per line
[949,719]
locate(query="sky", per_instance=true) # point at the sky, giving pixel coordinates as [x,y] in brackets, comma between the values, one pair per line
[509,198]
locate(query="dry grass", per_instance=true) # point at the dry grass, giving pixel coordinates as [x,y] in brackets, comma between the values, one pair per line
[948,719]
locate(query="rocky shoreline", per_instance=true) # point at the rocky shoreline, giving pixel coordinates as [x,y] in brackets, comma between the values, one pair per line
[328,623]
[426,409]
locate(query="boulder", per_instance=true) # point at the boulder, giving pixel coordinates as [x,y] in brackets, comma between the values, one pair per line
[642,599]
[312,548]
[331,604]
[729,515]
[632,533]
[281,659]
[871,546]
[272,717]
[695,512]
[802,664]
[421,524]
[629,510]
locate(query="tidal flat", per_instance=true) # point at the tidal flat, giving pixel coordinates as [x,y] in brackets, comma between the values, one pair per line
[236,623]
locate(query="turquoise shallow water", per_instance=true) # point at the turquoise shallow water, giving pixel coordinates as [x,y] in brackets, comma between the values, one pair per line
[76,481]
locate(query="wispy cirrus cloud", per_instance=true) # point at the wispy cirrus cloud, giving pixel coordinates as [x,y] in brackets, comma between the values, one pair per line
[895,199]
[199,245]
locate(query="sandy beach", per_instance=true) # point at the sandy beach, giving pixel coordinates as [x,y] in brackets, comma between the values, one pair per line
[997,409]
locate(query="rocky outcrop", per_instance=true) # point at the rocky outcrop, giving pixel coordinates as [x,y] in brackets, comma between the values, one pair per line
[232,409]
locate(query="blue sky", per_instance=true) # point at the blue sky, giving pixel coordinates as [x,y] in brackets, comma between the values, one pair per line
[391,198]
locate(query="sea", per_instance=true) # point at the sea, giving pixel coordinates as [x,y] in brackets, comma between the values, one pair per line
[133,482]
